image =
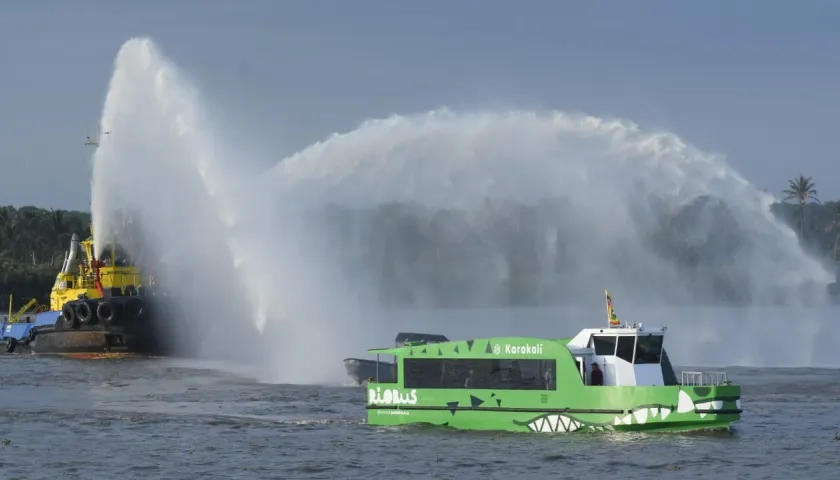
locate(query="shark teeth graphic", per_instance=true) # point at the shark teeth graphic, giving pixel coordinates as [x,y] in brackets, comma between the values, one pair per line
[554,424]
[711,405]
[641,415]
[644,414]
[686,404]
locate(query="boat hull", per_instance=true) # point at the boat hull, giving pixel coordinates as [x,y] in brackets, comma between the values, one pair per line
[361,370]
[646,408]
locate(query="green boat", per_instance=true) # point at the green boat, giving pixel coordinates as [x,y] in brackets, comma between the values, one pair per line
[528,384]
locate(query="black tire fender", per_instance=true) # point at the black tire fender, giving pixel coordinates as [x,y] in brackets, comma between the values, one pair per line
[68,316]
[134,308]
[107,312]
[84,312]
[68,312]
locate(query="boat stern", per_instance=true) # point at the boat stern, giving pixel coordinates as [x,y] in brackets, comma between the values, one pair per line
[363,371]
[711,397]
[717,400]
[15,333]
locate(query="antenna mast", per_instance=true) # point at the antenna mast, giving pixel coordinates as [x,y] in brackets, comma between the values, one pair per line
[95,143]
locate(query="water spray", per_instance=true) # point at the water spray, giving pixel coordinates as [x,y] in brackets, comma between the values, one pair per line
[299,254]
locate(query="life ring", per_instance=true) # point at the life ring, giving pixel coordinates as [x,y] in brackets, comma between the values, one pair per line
[107,312]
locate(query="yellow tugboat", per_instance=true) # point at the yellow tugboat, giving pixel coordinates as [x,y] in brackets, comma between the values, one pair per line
[97,305]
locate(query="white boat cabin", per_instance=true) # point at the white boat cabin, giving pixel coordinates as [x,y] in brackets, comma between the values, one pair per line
[627,355]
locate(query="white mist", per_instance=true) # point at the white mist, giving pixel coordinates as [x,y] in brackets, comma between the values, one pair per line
[255,260]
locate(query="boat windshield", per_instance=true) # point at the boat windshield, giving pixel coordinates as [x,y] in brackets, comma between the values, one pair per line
[121,258]
[648,349]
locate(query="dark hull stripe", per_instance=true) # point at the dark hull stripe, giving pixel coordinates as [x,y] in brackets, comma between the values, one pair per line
[532,410]
[495,409]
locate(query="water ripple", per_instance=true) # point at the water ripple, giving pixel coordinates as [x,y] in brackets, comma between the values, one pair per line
[116,419]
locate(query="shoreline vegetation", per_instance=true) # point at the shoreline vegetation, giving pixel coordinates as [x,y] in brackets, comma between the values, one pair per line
[433,251]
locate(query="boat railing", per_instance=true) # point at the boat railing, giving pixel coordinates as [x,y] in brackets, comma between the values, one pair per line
[117,278]
[28,309]
[704,378]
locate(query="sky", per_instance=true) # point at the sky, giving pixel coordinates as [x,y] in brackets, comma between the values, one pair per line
[756,81]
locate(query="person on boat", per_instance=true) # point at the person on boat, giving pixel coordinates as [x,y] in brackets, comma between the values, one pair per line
[597,376]
[469,381]
[515,372]
[548,376]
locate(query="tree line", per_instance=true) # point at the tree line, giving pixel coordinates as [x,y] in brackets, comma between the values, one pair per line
[415,255]
[32,245]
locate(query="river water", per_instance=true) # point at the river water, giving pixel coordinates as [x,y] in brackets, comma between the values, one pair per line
[179,419]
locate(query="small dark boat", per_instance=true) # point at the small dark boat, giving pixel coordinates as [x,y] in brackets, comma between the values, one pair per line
[360,370]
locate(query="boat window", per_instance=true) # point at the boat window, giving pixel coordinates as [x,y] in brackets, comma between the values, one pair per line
[604,344]
[121,257]
[516,374]
[580,367]
[648,349]
[626,346]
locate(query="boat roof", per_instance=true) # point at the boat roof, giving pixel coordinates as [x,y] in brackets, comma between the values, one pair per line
[403,337]
[581,340]
[496,346]
[491,346]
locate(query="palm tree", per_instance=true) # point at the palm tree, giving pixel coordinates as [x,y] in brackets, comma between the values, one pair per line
[801,189]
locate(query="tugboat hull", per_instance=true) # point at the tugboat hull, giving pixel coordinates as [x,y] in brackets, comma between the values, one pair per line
[69,342]
[126,324]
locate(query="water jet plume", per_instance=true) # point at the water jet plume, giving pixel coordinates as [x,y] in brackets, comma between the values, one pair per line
[296,267]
